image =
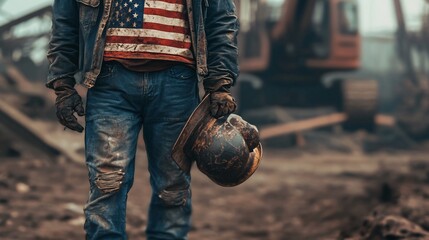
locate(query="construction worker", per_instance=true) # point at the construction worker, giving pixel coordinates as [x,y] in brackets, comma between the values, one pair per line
[141,61]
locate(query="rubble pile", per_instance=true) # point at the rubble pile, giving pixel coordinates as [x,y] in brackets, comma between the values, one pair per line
[390,227]
[403,211]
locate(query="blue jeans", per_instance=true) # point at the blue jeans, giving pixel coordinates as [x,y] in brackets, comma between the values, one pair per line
[120,104]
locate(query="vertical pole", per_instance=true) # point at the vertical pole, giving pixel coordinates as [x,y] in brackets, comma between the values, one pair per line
[404,43]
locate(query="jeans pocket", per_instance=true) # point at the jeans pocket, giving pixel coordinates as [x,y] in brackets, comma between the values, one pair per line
[182,71]
[107,69]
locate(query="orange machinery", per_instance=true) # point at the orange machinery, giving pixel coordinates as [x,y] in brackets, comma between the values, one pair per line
[288,47]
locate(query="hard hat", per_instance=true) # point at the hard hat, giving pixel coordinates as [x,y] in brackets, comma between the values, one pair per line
[227,149]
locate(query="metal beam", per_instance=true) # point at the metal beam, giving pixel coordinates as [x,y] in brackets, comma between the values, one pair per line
[11,24]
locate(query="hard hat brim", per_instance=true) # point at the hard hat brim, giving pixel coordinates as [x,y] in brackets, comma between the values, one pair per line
[200,114]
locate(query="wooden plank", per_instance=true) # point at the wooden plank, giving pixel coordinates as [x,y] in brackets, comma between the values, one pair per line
[317,122]
[3,81]
[302,125]
[19,78]
[21,125]
[26,86]
[385,120]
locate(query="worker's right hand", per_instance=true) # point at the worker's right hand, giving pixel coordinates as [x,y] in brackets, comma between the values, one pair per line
[67,103]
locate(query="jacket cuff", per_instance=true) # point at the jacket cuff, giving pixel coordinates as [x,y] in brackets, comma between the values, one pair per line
[52,79]
[64,82]
[217,85]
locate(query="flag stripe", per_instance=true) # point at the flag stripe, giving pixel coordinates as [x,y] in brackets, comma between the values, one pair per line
[164,5]
[149,40]
[151,48]
[165,28]
[141,33]
[163,13]
[160,19]
[171,1]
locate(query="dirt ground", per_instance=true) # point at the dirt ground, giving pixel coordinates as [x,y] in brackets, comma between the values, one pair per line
[302,193]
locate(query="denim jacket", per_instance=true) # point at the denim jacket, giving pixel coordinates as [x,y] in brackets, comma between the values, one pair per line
[77,42]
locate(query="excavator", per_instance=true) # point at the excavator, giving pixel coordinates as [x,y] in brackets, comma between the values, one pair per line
[289,47]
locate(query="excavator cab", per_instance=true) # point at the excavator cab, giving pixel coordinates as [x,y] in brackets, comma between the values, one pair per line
[314,34]
[287,47]
[332,36]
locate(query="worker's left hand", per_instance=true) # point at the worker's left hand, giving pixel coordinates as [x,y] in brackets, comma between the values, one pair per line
[222,103]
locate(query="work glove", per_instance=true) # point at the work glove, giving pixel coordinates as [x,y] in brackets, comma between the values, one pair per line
[67,103]
[221,102]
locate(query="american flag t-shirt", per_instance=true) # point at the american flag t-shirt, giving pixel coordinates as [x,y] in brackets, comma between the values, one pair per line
[149,29]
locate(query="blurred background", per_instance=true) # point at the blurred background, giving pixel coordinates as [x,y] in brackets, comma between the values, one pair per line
[338,88]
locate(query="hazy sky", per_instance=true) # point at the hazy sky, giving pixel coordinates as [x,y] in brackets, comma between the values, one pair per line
[375,15]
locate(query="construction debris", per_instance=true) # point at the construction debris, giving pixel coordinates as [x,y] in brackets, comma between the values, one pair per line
[380,227]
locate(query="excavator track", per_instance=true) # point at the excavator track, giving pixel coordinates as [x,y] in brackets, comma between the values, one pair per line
[360,102]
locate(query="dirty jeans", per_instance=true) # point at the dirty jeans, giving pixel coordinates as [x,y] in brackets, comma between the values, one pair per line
[120,104]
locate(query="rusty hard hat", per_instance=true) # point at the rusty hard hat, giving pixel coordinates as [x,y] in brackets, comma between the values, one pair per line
[227,149]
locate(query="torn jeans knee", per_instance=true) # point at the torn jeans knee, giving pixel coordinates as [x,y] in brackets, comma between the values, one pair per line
[174,198]
[109,182]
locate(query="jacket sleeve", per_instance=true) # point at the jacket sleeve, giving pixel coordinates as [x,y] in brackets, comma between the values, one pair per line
[221,26]
[63,52]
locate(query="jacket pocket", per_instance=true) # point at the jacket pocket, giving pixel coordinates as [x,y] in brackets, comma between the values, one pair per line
[90,3]
[88,13]
[205,9]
